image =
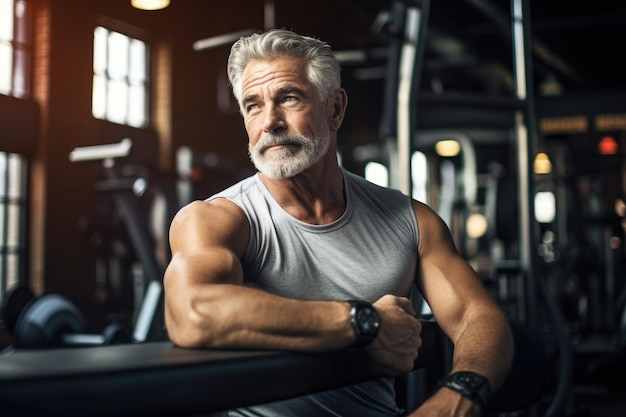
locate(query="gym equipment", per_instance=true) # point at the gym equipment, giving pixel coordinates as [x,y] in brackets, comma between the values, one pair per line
[122,380]
[269,18]
[409,20]
[125,190]
[16,298]
[163,380]
[52,321]
[124,185]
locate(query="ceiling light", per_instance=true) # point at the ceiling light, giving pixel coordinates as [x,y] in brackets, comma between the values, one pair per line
[542,164]
[150,4]
[545,207]
[447,148]
[476,225]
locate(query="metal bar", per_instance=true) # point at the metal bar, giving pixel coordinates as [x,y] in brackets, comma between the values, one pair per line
[409,71]
[499,103]
[102,152]
[525,126]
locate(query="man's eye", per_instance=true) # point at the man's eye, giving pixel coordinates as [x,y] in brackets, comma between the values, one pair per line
[251,107]
[290,99]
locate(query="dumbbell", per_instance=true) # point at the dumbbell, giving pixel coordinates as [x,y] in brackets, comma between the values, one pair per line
[52,321]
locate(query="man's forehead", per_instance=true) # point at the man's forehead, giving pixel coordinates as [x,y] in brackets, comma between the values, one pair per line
[279,70]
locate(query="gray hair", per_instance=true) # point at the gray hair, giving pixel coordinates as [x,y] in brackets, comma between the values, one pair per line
[322,67]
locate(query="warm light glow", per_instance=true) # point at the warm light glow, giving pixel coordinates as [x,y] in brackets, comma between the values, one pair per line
[542,164]
[447,148]
[476,226]
[615,242]
[608,146]
[150,4]
[620,207]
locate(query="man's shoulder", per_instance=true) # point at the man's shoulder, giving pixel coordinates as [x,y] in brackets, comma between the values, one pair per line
[200,210]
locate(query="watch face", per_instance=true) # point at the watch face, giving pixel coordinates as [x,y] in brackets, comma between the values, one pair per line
[470,384]
[469,380]
[368,320]
[365,322]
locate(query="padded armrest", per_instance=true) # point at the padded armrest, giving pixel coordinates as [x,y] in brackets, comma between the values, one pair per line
[161,379]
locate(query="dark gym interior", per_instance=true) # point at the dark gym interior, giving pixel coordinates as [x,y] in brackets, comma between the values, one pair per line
[86,199]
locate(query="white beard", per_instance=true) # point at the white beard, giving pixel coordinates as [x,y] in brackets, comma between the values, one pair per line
[291,160]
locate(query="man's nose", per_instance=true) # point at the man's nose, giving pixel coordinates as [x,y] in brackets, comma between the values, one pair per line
[274,119]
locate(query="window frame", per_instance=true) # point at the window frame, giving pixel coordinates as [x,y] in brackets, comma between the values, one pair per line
[14,197]
[133,34]
[20,44]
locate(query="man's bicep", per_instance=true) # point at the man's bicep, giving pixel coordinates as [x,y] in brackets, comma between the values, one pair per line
[215,266]
[208,241]
[448,283]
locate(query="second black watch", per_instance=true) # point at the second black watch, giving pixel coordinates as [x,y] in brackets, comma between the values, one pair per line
[365,322]
[470,384]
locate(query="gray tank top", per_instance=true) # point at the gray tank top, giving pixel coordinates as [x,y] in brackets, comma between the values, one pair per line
[370,251]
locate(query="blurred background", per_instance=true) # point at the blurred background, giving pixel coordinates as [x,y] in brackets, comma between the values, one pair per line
[508,118]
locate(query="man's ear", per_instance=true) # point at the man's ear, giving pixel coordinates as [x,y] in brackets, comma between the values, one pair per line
[337,108]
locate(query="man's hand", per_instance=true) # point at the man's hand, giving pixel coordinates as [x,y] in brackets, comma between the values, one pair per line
[399,338]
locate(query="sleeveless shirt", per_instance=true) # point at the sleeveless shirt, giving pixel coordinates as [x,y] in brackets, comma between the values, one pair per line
[370,251]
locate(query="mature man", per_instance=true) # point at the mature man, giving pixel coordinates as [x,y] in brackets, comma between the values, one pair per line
[306,256]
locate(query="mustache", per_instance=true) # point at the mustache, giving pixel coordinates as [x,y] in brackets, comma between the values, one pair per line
[270,139]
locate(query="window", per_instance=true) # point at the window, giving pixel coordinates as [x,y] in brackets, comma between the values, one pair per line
[15,52]
[15,69]
[13,207]
[120,78]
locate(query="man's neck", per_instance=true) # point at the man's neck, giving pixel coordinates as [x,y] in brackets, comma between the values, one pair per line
[315,196]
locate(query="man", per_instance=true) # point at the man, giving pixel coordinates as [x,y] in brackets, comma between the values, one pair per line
[273,261]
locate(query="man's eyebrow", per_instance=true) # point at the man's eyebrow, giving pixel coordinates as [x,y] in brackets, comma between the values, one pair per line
[280,92]
[292,89]
[249,97]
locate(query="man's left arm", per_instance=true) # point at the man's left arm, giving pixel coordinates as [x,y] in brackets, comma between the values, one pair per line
[470,317]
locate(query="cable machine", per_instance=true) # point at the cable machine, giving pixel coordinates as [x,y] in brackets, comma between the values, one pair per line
[398,129]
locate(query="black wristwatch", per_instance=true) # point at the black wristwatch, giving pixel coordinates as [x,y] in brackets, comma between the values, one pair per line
[365,322]
[470,384]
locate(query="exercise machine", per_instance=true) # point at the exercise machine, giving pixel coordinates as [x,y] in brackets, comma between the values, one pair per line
[52,320]
[409,20]
[161,379]
[125,184]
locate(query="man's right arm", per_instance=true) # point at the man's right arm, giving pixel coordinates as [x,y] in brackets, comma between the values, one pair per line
[207,305]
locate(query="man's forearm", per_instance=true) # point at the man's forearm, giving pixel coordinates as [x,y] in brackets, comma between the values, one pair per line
[486,347]
[232,316]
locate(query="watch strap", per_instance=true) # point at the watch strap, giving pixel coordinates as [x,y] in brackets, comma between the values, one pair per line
[469,384]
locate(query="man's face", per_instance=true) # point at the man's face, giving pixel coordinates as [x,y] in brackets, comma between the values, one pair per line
[287,124]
